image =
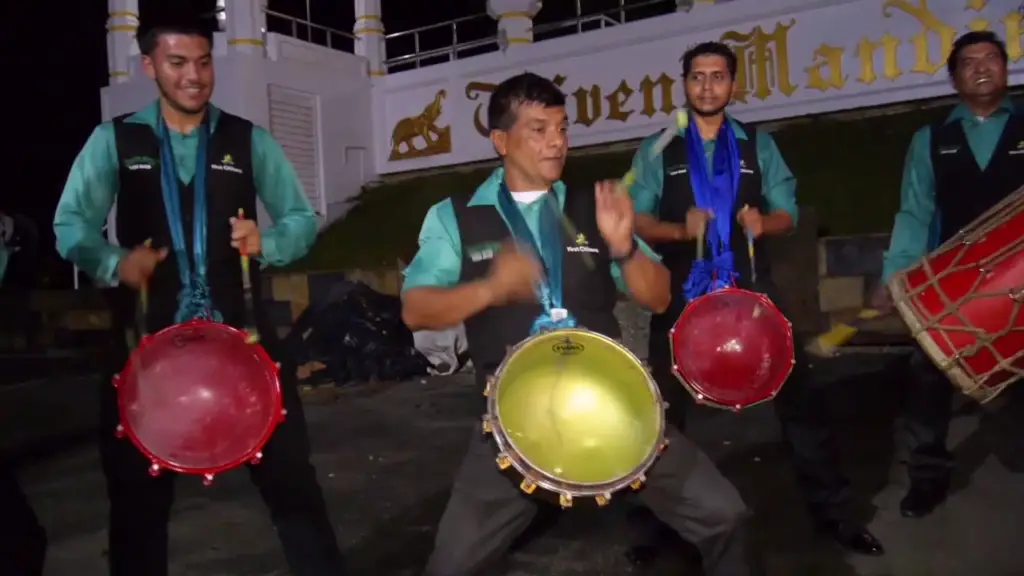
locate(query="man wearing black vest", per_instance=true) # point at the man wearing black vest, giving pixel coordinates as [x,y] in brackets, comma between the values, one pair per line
[173,163]
[467,270]
[955,171]
[668,218]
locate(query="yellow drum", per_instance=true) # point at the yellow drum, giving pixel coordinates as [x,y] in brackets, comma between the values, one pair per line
[575,413]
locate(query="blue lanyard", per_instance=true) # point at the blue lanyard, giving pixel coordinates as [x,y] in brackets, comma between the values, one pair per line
[194,300]
[550,252]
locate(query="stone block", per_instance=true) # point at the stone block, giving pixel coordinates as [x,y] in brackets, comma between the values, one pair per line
[290,288]
[841,293]
[859,255]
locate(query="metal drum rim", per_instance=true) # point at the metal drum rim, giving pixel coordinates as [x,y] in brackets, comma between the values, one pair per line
[248,456]
[700,396]
[550,482]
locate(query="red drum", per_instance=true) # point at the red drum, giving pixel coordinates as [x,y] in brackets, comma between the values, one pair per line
[732,348]
[963,302]
[197,398]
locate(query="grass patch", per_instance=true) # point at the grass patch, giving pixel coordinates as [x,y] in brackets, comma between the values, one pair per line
[848,170]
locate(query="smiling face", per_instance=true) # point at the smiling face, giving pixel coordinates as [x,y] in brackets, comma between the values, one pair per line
[981,73]
[182,66]
[535,146]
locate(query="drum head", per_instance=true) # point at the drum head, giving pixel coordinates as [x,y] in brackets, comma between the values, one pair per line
[579,408]
[732,348]
[198,398]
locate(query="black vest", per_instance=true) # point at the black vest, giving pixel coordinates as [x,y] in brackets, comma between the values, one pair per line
[589,293]
[141,215]
[963,191]
[676,200]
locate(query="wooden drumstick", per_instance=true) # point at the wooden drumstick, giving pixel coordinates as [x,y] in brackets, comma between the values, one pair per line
[679,122]
[252,333]
[750,247]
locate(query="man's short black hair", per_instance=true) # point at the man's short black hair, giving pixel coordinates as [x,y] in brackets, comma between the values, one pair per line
[709,49]
[185,20]
[525,88]
[970,39]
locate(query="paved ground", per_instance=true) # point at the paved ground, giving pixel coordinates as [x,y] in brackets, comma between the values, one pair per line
[386,454]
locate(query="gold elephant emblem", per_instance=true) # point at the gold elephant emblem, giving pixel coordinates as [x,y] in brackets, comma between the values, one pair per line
[436,140]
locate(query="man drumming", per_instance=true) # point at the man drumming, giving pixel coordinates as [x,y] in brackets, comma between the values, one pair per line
[180,169]
[955,171]
[463,273]
[669,217]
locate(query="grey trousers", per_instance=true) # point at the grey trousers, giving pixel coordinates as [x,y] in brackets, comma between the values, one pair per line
[487,512]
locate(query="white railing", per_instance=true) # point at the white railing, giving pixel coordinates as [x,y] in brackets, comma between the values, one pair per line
[447,41]
[452,48]
[305,29]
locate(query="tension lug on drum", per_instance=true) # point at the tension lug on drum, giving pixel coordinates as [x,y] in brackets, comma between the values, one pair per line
[504,462]
[565,501]
[527,486]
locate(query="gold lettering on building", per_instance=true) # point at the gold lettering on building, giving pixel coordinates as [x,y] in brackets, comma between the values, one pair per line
[931,24]
[474,90]
[588,105]
[663,85]
[866,51]
[1012,21]
[617,101]
[827,69]
[762,62]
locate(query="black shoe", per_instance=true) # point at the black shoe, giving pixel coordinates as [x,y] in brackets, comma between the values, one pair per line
[923,498]
[852,537]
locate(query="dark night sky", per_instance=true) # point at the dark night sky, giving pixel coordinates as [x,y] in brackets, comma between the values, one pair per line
[55,56]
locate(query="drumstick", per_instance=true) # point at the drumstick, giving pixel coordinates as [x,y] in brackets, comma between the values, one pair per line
[679,122]
[826,345]
[142,305]
[252,334]
[750,249]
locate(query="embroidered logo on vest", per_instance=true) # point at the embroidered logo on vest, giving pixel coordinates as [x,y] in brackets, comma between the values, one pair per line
[949,150]
[582,245]
[481,252]
[1018,150]
[227,164]
[140,163]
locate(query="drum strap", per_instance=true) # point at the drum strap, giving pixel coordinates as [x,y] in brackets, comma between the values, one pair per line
[715,192]
[549,292]
[194,299]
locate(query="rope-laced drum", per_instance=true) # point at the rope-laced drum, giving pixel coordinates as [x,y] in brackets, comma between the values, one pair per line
[963,302]
[575,413]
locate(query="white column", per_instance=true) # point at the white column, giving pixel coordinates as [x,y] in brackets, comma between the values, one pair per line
[122,23]
[515,20]
[245,25]
[369,32]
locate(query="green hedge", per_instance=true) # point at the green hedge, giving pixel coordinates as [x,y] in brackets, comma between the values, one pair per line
[848,170]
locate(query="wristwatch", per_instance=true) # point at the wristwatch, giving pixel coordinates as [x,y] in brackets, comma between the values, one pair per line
[629,255]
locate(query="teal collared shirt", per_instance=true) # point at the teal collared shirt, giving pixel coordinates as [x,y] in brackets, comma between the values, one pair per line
[94,183]
[778,185]
[913,232]
[438,262]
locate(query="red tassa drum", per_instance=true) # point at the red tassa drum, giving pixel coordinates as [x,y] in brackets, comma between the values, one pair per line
[963,302]
[198,398]
[732,348]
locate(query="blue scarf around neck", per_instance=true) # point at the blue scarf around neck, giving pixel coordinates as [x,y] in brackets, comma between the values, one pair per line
[550,252]
[194,299]
[715,192]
